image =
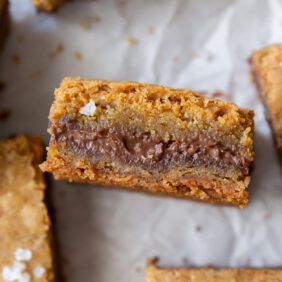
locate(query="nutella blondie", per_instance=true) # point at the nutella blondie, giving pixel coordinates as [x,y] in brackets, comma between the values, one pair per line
[151,138]
[25,250]
[157,274]
[266,67]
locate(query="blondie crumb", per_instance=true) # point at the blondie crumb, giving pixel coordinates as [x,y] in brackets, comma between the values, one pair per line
[16,58]
[96,19]
[150,30]
[84,25]
[59,49]
[77,55]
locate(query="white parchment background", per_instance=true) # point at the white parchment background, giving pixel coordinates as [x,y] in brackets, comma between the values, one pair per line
[107,235]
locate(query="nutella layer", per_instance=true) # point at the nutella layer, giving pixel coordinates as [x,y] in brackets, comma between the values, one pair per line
[145,150]
[266,66]
[151,138]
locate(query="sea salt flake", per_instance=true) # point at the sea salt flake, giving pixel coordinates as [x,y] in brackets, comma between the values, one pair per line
[25,277]
[38,271]
[280,64]
[18,267]
[22,254]
[8,274]
[89,109]
[13,273]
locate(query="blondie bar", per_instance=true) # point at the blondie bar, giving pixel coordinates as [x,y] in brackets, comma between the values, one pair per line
[25,251]
[267,74]
[151,138]
[157,274]
[47,5]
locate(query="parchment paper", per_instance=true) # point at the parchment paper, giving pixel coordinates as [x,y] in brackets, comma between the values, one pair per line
[106,235]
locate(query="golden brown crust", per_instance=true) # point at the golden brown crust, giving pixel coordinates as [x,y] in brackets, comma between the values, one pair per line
[172,114]
[47,5]
[24,220]
[267,72]
[156,274]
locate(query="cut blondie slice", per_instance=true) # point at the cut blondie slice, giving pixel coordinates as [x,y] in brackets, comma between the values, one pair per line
[4,21]
[25,251]
[151,138]
[157,274]
[267,74]
[47,5]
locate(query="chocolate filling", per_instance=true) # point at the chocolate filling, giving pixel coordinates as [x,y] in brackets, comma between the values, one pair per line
[145,150]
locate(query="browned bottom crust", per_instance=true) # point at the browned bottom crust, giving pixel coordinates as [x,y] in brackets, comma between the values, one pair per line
[157,274]
[190,187]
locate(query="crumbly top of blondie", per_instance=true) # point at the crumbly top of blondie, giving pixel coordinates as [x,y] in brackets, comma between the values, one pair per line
[171,113]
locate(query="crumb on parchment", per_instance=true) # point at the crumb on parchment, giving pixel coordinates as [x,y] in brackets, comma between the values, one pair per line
[84,24]
[59,49]
[96,19]
[198,228]
[131,40]
[3,85]
[77,55]
[5,114]
[16,58]
[150,30]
